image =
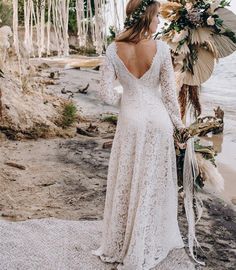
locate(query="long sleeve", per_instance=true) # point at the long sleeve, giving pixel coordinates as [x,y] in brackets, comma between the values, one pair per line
[168,89]
[106,90]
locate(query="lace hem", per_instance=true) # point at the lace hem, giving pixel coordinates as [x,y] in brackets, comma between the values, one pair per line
[155,264]
[98,252]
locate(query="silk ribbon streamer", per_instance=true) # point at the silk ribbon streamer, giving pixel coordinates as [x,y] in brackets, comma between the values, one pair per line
[190,172]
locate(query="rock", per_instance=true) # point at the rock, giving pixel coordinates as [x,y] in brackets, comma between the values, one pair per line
[84,132]
[3,137]
[43,66]
[107,145]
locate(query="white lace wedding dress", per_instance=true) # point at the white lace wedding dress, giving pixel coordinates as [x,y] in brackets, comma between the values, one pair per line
[140,225]
[140,218]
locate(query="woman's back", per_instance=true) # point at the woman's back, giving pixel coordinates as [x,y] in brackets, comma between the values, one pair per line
[141,93]
[137,57]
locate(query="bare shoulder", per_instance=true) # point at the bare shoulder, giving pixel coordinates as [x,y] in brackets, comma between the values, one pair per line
[141,44]
[130,50]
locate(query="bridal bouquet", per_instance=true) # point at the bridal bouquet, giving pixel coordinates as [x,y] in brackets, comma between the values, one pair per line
[198,32]
[205,155]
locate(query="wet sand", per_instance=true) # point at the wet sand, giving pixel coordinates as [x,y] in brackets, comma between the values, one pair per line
[220,90]
[66,178]
[224,144]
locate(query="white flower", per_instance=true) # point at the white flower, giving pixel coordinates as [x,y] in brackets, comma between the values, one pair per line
[210,21]
[188,6]
[180,36]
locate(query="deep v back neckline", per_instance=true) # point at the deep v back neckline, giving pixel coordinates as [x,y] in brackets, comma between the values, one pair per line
[128,71]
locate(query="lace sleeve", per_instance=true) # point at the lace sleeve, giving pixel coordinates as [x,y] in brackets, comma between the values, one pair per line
[168,90]
[106,90]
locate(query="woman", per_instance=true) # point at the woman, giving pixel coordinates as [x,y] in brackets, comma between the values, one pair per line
[140,224]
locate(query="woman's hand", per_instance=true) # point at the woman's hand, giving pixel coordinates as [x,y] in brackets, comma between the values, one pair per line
[184,134]
[181,136]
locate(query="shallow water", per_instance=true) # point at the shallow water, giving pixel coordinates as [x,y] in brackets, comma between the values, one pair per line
[220,90]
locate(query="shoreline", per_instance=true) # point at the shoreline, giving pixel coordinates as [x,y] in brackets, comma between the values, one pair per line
[67,177]
[67,181]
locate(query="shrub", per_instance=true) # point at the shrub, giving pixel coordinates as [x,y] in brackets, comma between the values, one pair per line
[69,115]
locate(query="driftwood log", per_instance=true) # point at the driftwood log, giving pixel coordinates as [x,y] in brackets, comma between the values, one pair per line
[204,125]
[80,90]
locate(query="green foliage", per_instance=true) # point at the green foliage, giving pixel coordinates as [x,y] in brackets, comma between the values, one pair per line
[230,34]
[225,3]
[130,21]
[85,50]
[21,12]
[86,7]
[38,3]
[72,14]
[112,34]
[208,152]
[69,115]
[110,118]
[72,23]
[6,13]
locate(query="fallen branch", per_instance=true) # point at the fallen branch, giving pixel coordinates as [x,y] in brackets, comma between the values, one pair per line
[80,90]
[15,165]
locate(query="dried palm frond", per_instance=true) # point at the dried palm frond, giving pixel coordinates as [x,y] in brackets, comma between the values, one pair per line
[178,61]
[212,47]
[168,36]
[178,36]
[202,69]
[200,35]
[228,18]
[183,49]
[210,173]
[173,46]
[223,43]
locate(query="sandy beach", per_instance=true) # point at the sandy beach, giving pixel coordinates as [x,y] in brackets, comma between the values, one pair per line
[66,178]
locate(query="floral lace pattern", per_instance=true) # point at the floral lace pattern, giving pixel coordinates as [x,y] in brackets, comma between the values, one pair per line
[140,225]
[106,92]
[168,85]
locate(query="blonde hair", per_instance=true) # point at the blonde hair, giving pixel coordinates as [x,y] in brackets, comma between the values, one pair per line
[138,30]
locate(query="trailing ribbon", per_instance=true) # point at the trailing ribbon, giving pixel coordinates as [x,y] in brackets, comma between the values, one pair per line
[190,172]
